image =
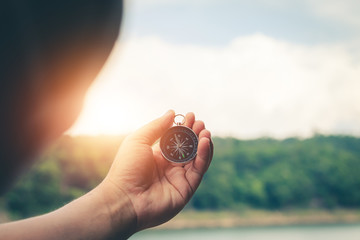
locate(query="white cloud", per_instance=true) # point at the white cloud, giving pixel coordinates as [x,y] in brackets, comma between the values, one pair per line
[254,86]
[346,11]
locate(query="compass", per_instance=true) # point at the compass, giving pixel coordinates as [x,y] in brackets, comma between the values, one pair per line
[179,143]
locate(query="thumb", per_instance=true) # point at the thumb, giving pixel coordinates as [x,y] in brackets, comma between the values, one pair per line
[152,131]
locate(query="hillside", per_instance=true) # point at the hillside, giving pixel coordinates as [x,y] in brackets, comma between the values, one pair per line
[320,172]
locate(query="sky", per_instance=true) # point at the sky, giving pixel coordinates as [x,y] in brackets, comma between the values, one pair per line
[248,69]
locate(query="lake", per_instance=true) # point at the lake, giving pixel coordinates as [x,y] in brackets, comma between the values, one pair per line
[328,232]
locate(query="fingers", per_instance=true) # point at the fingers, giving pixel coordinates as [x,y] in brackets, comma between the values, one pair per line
[189,119]
[190,122]
[207,134]
[149,133]
[201,163]
[198,127]
[203,134]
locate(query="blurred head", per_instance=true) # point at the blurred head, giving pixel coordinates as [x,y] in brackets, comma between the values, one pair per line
[51,51]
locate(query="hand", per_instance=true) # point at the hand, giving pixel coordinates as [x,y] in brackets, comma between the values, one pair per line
[156,188]
[141,190]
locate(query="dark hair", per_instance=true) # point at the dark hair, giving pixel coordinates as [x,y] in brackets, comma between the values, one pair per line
[50,52]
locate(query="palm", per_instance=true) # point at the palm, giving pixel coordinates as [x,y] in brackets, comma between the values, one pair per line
[156,185]
[171,177]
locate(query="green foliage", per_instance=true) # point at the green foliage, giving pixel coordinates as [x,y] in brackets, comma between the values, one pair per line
[322,171]
[37,192]
[69,168]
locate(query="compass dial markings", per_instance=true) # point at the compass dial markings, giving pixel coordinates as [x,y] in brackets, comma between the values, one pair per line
[179,144]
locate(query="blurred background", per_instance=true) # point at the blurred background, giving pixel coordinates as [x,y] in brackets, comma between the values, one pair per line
[277,84]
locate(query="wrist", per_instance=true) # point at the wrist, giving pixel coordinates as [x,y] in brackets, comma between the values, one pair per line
[121,213]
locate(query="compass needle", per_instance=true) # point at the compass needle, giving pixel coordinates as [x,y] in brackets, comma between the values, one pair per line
[177,139]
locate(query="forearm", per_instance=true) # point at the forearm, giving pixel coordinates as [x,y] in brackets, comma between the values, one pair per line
[96,215]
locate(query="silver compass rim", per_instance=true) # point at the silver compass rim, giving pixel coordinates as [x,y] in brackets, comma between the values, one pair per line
[180,162]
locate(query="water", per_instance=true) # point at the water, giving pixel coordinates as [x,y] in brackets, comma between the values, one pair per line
[328,232]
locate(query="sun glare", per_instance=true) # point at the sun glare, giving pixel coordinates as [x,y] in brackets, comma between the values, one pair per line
[100,115]
[105,110]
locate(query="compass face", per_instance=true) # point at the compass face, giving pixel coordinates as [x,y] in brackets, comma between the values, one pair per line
[179,144]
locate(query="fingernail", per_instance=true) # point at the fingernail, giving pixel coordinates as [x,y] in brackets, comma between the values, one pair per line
[169,112]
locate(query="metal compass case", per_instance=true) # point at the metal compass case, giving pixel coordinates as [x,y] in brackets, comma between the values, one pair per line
[179,143]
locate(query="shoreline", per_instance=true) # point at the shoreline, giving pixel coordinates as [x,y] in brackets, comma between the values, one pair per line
[190,219]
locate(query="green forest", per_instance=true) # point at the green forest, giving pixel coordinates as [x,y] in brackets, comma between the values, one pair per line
[319,172]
